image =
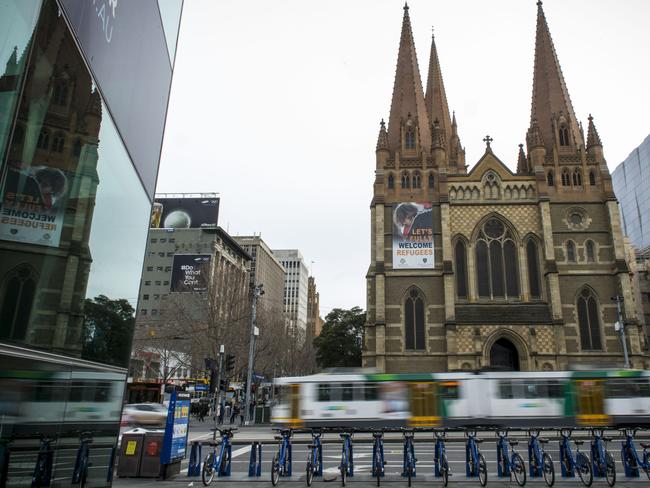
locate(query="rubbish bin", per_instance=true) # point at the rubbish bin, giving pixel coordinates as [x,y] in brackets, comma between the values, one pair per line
[150,459]
[130,453]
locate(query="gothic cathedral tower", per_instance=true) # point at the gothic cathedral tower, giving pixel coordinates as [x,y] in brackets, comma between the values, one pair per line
[490,268]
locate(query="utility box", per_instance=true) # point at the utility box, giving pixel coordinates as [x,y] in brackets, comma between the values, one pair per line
[150,458]
[130,454]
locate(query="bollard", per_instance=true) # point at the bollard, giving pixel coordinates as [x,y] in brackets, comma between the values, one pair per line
[255,462]
[194,468]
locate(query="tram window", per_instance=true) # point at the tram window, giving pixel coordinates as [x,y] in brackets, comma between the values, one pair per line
[347,393]
[324,393]
[448,391]
[370,392]
[505,390]
[627,388]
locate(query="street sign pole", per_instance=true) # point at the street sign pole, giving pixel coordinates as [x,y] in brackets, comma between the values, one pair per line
[217,400]
[621,329]
[257,292]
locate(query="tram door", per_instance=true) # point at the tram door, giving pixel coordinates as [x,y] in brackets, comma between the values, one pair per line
[590,402]
[424,404]
[294,405]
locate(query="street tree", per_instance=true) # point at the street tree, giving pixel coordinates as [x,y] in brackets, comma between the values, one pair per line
[107,330]
[340,342]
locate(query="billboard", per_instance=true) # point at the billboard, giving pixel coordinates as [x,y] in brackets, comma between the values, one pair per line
[190,272]
[32,207]
[412,236]
[185,213]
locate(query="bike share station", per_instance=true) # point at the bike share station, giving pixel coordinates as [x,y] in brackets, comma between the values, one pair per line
[595,462]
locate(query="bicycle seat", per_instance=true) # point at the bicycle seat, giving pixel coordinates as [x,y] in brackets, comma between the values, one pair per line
[543,440]
[644,445]
[513,442]
[278,437]
[578,443]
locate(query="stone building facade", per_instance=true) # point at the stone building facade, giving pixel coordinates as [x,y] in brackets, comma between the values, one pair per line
[524,263]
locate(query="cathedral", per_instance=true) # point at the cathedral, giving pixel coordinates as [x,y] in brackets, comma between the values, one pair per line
[481,267]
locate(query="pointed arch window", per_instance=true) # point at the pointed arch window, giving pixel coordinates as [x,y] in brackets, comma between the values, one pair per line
[391,181]
[405,180]
[532,258]
[60,94]
[590,252]
[460,258]
[570,252]
[566,177]
[58,141]
[564,136]
[43,139]
[417,180]
[16,305]
[592,178]
[588,320]
[414,320]
[431,181]
[410,139]
[496,261]
[550,179]
[577,177]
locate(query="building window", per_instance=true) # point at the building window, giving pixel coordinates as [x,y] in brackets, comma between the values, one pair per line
[158,283]
[592,178]
[143,311]
[533,269]
[410,139]
[416,179]
[496,261]
[571,252]
[550,179]
[588,321]
[147,283]
[154,311]
[577,177]
[461,269]
[589,251]
[391,181]
[60,94]
[43,139]
[431,181]
[149,268]
[566,177]
[414,320]
[159,268]
[405,180]
[564,136]
[19,293]
[145,297]
[58,142]
[154,240]
[76,149]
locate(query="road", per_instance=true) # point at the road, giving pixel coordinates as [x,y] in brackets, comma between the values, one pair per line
[424,448]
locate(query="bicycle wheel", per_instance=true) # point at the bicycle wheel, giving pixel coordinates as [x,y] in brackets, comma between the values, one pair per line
[344,473]
[309,475]
[377,472]
[482,470]
[207,473]
[583,466]
[444,469]
[548,470]
[409,471]
[275,470]
[519,469]
[610,469]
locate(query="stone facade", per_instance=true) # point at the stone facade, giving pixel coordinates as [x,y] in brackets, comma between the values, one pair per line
[525,262]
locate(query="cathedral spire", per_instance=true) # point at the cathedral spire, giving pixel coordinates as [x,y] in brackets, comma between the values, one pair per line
[522,162]
[435,98]
[382,139]
[408,106]
[551,104]
[593,139]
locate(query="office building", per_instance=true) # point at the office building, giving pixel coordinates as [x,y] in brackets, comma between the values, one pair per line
[295,288]
[631,180]
[80,139]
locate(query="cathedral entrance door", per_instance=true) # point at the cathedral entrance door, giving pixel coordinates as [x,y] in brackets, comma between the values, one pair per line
[504,355]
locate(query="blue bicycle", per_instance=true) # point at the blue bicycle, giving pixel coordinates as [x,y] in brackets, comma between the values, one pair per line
[476,465]
[541,463]
[580,464]
[510,464]
[378,461]
[281,464]
[601,459]
[82,463]
[220,464]
[409,455]
[42,475]
[347,460]
[441,465]
[630,456]
[314,457]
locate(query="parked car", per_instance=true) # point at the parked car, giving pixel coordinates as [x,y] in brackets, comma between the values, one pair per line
[144,413]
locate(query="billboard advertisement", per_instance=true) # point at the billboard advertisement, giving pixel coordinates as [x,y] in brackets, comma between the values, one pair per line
[412,236]
[185,213]
[190,272]
[32,207]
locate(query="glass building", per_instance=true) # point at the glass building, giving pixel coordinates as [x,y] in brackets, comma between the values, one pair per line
[631,181]
[84,86]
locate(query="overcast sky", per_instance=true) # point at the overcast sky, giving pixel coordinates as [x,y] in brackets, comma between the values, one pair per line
[276,105]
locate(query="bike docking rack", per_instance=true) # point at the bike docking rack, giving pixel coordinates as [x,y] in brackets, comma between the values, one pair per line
[194,468]
[439,452]
[503,454]
[346,441]
[632,463]
[378,460]
[409,454]
[566,453]
[255,461]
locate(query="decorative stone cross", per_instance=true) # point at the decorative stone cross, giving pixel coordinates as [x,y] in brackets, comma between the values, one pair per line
[487,140]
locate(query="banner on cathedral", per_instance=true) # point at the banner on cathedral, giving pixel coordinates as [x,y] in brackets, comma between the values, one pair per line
[412,236]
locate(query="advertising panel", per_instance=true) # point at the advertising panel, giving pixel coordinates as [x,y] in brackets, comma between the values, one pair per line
[412,236]
[33,204]
[176,428]
[185,213]
[190,272]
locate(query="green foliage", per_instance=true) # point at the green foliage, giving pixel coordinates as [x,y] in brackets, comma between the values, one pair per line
[341,340]
[108,330]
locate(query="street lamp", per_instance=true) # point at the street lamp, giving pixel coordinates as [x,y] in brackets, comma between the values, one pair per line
[620,327]
[257,292]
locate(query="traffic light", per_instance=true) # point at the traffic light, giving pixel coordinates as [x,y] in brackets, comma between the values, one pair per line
[230,363]
[213,381]
[223,386]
